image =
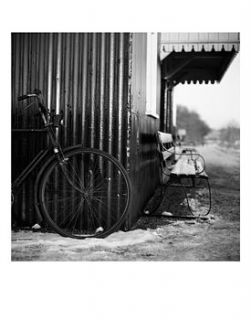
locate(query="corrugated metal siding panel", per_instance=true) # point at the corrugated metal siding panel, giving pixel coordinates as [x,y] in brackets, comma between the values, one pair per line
[85,76]
[143,158]
[198,41]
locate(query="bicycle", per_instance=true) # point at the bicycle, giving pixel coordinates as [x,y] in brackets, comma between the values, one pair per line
[80,192]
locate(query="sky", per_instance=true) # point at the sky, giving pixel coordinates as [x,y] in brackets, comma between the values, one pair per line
[218,104]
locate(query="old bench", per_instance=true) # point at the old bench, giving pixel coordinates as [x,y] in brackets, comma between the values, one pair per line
[181,167]
[177,161]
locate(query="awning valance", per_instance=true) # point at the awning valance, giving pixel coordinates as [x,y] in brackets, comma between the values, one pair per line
[196,66]
[198,41]
[192,57]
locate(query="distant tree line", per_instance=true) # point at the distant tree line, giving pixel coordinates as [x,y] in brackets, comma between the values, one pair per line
[230,135]
[196,128]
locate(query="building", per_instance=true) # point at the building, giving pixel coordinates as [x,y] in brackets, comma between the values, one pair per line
[115,91]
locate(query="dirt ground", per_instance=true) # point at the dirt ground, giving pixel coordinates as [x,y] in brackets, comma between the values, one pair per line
[158,238]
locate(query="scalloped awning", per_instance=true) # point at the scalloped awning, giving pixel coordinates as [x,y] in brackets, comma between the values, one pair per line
[197,57]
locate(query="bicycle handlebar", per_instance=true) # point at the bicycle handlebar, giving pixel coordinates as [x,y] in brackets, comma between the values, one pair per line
[36,94]
[26,96]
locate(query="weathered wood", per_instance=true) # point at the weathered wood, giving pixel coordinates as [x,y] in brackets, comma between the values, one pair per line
[178,163]
[185,166]
[168,153]
[165,137]
[166,150]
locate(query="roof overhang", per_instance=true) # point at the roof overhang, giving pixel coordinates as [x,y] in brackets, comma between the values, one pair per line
[193,66]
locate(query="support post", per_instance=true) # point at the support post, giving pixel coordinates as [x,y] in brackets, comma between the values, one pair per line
[169,107]
[166,113]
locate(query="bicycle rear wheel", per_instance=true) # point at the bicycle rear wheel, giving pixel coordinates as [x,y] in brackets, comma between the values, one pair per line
[87,195]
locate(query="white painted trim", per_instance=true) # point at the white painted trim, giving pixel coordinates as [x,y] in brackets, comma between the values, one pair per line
[151,74]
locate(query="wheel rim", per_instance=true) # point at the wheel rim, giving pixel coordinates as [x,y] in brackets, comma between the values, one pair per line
[86,196]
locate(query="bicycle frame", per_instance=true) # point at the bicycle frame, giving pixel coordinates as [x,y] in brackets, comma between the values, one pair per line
[43,154]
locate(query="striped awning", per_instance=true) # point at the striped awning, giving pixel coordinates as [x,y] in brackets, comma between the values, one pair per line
[192,57]
[187,42]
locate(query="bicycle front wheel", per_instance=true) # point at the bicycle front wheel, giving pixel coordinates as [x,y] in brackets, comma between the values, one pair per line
[87,195]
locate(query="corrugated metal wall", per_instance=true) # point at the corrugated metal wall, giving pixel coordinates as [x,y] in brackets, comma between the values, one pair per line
[143,158]
[83,75]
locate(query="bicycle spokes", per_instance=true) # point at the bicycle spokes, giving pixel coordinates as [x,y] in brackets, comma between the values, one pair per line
[86,195]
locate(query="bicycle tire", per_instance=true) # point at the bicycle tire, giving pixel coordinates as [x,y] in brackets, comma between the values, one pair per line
[86,196]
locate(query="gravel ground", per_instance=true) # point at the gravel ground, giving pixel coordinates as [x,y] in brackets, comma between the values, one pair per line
[157,238]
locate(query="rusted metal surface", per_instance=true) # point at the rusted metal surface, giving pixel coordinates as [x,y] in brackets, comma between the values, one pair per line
[83,75]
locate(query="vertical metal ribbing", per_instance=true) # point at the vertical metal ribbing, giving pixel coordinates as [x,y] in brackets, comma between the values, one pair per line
[37,60]
[111,88]
[82,98]
[120,95]
[100,102]
[101,97]
[120,113]
[110,120]
[57,108]
[24,124]
[75,87]
[41,61]
[42,77]
[34,75]
[13,69]
[128,108]
[66,86]
[58,77]
[49,85]
[16,83]
[25,65]
[58,72]
[93,98]
[33,81]
[84,86]
[129,101]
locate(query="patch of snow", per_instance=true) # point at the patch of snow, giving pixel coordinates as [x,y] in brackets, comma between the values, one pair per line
[53,241]
[166,213]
